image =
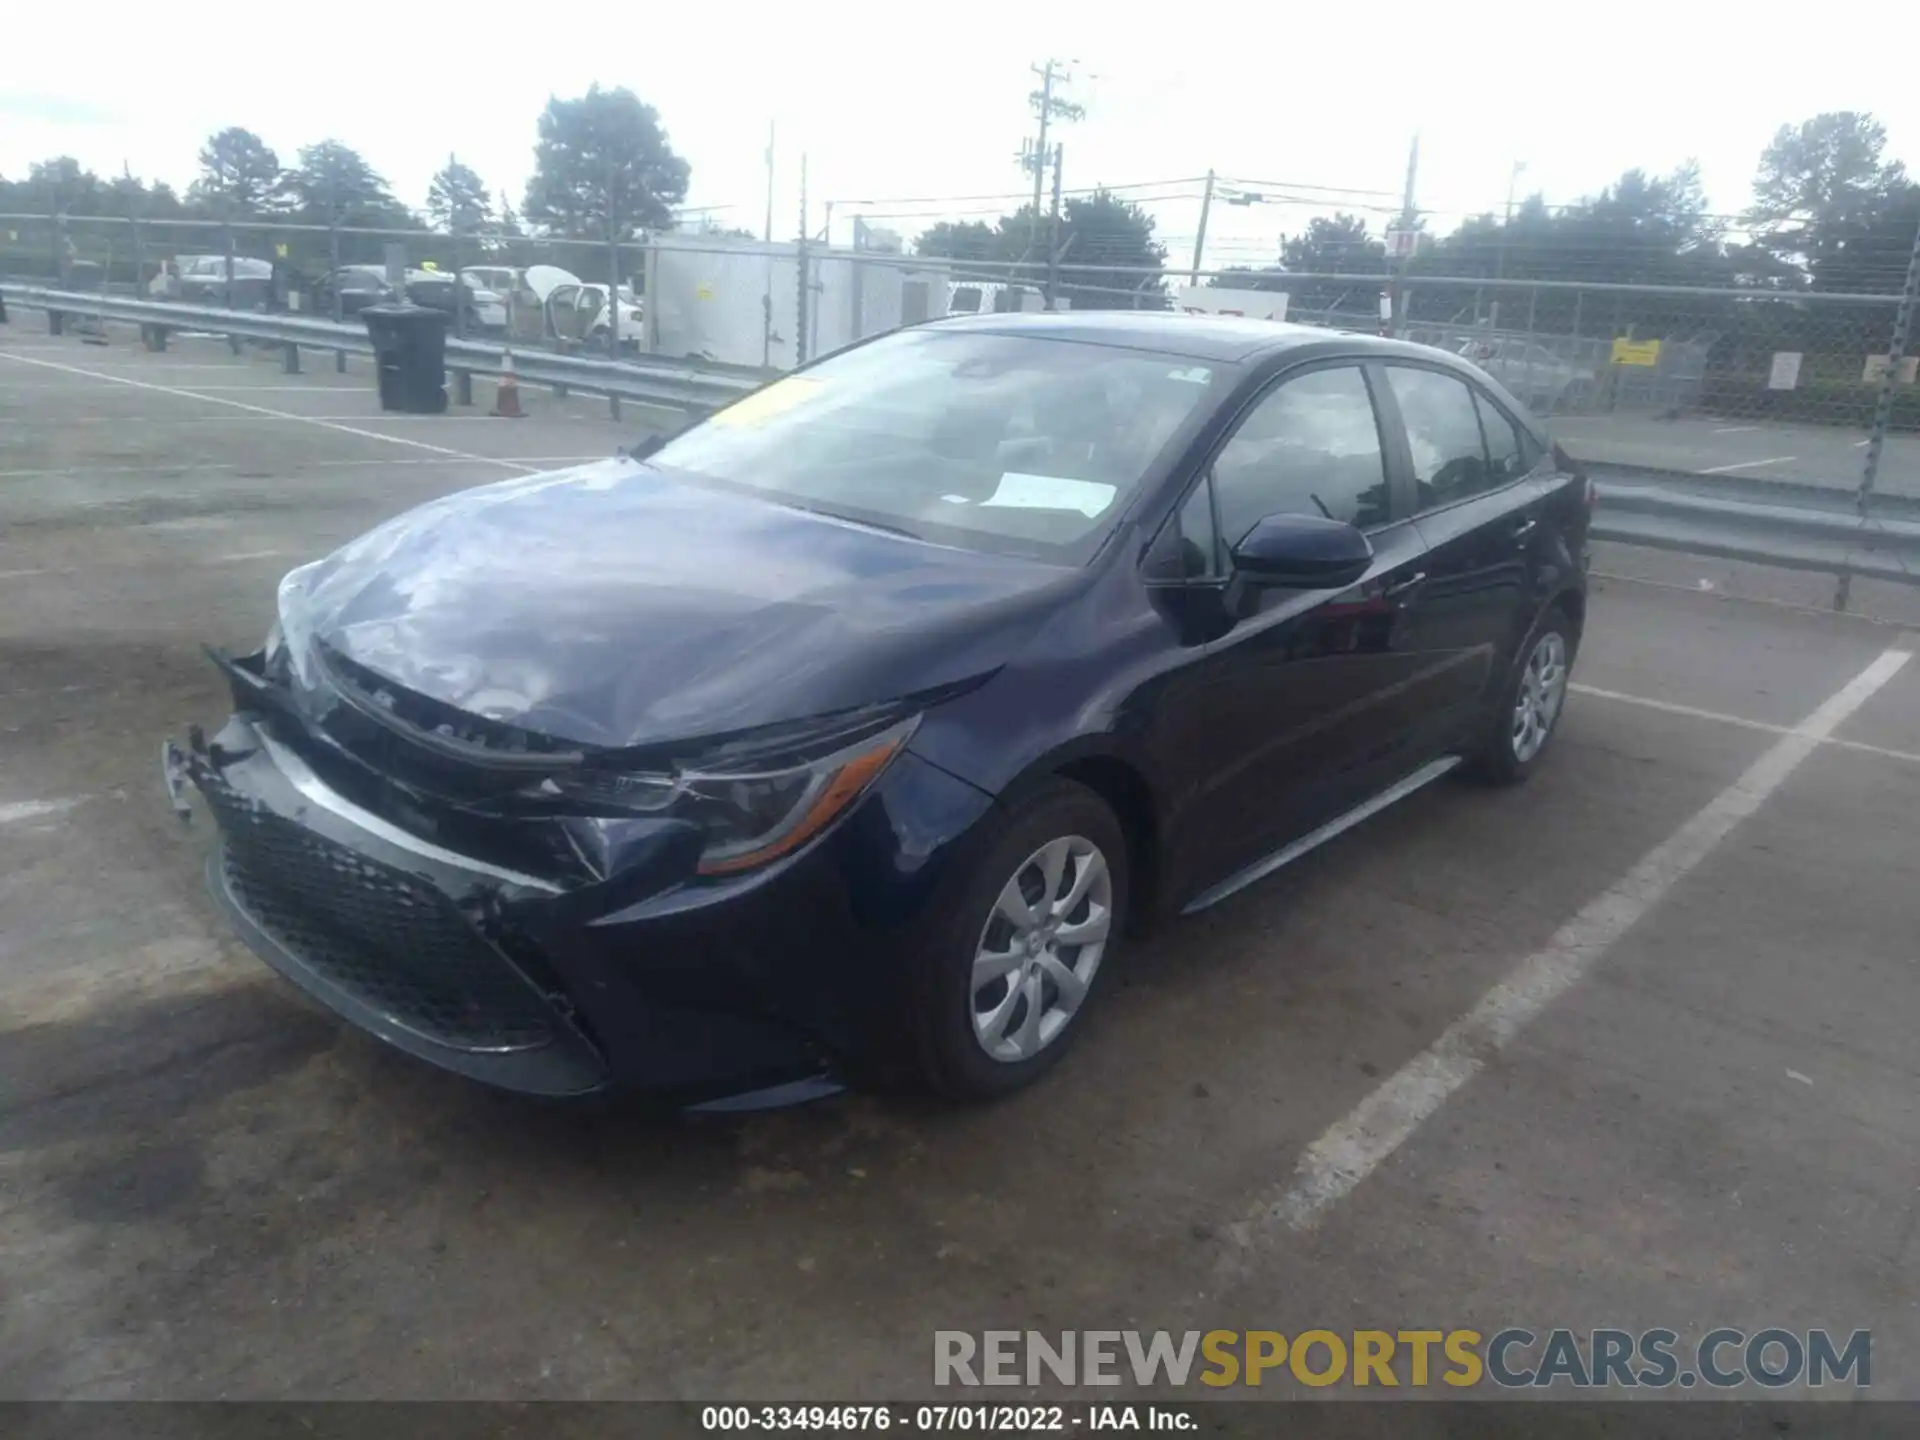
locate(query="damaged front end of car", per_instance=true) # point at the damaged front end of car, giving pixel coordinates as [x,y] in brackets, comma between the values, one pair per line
[507,905]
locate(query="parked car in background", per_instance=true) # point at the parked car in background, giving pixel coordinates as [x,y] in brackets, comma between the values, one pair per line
[1541,378]
[362,285]
[549,303]
[202,280]
[851,733]
[500,279]
[591,307]
[356,286]
[991,297]
[486,311]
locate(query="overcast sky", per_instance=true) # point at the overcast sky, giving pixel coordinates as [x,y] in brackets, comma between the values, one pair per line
[888,103]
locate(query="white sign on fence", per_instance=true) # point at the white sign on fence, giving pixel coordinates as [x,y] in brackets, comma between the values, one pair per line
[1784,373]
[1254,304]
[1876,368]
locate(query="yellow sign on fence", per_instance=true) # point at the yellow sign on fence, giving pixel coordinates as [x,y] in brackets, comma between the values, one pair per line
[1636,352]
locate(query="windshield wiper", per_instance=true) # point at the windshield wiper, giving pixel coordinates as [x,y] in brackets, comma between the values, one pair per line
[879,525]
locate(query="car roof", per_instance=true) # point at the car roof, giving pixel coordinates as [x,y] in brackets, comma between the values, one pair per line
[1201,337]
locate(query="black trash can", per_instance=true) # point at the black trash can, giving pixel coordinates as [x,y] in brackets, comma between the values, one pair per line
[410,357]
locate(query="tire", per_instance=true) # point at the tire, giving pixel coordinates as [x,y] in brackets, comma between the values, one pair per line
[976,1041]
[1510,748]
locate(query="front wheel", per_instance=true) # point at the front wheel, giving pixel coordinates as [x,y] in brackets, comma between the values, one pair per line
[1014,960]
[1524,720]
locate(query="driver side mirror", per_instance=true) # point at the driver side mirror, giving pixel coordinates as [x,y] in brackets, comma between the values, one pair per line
[1302,552]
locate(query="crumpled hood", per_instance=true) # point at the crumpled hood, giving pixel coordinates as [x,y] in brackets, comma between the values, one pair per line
[615,605]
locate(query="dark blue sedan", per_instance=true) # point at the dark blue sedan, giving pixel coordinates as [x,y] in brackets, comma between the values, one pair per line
[849,734]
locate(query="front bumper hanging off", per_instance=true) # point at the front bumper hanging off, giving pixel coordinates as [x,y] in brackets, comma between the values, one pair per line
[394,934]
[502,976]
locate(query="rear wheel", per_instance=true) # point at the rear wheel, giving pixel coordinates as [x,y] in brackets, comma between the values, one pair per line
[1014,960]
[1523,722]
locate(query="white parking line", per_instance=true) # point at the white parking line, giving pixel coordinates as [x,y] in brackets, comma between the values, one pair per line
[1357,1145]
[1748,465]
[270,414]
[18,810]
[83,471]
[1721,717]
[1733,429]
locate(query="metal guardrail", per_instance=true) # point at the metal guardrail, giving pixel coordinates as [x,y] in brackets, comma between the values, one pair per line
[655,381]
[1793,527]
[1764,522]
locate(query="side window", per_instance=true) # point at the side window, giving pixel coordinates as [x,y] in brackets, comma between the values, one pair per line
[1449,459]
[1309,447]
[1189,544]
[1506,458]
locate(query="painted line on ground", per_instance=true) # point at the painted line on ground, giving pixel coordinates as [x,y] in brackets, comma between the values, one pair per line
[84,471]
[1693,712]
[18,810]
[1728,597]
[1358,1144]
[205,392]
[322,424]
[1733,429]
[1748,464]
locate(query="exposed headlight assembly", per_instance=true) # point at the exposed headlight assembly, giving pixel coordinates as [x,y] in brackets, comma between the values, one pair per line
[750,814]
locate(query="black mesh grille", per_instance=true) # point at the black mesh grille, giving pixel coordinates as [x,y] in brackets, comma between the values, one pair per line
[398,945]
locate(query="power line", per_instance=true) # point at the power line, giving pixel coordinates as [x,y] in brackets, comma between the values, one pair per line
[1019,194]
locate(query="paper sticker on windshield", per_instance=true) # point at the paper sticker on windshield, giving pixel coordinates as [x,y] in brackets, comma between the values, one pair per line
[763,405]
[1193,375]
[1018,491]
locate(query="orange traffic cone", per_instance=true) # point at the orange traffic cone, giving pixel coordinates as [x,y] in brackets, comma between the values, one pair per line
[506,397]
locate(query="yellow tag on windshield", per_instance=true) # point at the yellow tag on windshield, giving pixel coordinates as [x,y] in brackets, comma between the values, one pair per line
[763,405]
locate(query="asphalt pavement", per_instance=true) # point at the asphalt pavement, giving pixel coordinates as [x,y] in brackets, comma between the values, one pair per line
[1629,1046]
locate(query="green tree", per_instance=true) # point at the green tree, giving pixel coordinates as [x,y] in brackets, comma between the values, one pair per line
[960,240]
[1334,245]
[458,200]
[1101,230]
[239,175]
[333,184]
[60,186]
[602,159]
[1822,199]
[1338,244]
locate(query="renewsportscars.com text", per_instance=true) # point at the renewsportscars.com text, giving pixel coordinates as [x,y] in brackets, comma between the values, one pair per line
[1512,1358]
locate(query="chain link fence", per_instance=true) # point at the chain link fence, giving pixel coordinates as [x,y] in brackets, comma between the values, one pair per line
[1740,385]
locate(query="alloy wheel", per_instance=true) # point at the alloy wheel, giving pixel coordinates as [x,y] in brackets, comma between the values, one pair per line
[1040,948]
[1543,689]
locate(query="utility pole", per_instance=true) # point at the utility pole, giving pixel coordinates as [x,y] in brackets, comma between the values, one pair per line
[1403,245]
[770,131]
[613,261]
[1035,155]
[766,298]
[1883,407]
[800,329]
[1200,236]
[1053,232]
[1500,252]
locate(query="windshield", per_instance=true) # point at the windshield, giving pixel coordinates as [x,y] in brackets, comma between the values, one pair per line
[999,442]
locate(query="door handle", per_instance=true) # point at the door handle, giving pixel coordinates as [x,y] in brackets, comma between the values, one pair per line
[1404,587]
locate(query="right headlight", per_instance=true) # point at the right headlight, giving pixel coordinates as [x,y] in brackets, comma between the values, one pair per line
[749,814]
